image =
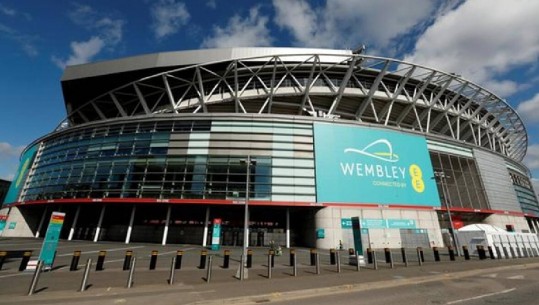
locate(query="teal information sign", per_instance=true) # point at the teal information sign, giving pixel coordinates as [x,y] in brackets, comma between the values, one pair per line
[216,234]
[367,165]
[373,223]
[48,249]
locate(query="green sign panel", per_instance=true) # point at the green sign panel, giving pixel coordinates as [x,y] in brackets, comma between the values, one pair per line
[373,223]
[216,234]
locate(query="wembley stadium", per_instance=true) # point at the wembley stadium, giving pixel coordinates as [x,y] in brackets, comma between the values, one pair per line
[158,147]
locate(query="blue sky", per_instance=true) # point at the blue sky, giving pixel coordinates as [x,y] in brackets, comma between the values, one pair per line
[494,43]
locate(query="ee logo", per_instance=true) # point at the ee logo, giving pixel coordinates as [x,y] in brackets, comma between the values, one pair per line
[417,178]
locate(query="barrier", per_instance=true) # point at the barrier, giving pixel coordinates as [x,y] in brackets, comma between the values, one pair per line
[131,275]
[25,259]
[172,272]
[153,259]
[272,258]
[100,261]
[404,257]
[3,255]
[338,261]
[208,271]
[127,259]
[226,259]
[179,256]
[491,253]
[75,261]
[202,264]
[292,257]
[249,258]
[313,256]
[386,254]
[317,263]
[419,256]
[451,253]
[466,253]
[332,256]
[369,256]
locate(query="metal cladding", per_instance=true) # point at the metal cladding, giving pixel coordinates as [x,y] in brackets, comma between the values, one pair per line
[333,84]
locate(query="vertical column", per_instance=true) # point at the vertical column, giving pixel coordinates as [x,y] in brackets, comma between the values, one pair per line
[165,231]
[130,226]
[287,227]
[41,221]
[206,220]
[99,223]
[74,225]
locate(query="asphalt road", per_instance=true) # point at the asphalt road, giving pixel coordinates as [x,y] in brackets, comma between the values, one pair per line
[503,288]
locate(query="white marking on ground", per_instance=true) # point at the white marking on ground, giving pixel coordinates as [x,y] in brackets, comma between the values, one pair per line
[516,277]
[481,296]
[493,275]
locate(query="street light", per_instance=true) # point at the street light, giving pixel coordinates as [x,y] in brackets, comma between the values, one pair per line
[249,163]
[440,176]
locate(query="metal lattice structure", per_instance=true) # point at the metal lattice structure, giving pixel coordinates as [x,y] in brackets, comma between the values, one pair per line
[350,86]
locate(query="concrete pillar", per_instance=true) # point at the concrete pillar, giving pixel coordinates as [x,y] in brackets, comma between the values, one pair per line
[74,225]
[41,221]
[206,220]
[130,226]
[165,231]
[99,223]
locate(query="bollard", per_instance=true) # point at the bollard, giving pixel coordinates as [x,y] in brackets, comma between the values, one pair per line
[451,253]
[374,262]
[35,278]
[179,256]
[84,282]
[466,253]
[208,271]
[358,266]
[292,257]
[317,263]
[351,251]
[491,252]
[172,271]
[272,258]
[249,258]
[3,255]
[313,257]
[203,255]
[436,254]
[338,260]
[422,254]
[481,252]
[127,259]
[75,261]
[269,263]
[226,259]
[153,259]
[332,256]
[391,263]
[369,256]
[419,260]
[404,258]
[294,266]
[100,261]
[386,254]
[131,275]
[25,259]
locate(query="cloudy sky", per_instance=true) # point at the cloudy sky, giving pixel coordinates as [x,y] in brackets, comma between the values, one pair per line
[494,43]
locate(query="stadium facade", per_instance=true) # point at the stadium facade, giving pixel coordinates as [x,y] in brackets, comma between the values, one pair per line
[156,147]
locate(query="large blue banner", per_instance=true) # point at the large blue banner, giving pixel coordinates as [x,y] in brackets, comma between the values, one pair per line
[366,165]
[16,185]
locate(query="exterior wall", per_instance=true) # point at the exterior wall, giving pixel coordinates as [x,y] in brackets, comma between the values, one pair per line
[22,223]
[520,224]
[330,219]
[495,176]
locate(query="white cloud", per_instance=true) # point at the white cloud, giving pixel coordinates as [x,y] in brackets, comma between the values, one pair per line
[211,4]
[26,42]
[108,33]
[168,17]
[248,32]
[529,109]
[532,157]
[8,151]
[7,10]
[350,23]
[81,52]
[481,40]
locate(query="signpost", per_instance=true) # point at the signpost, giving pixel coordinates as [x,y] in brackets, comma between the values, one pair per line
[216,234]
[48,249]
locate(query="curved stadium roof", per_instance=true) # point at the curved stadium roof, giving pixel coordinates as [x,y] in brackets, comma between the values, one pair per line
[335,84]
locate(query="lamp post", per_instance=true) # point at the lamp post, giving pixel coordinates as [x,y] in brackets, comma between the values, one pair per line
[440,175]
[248,162]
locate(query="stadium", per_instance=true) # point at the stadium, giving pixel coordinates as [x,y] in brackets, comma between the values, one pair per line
[157,148]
